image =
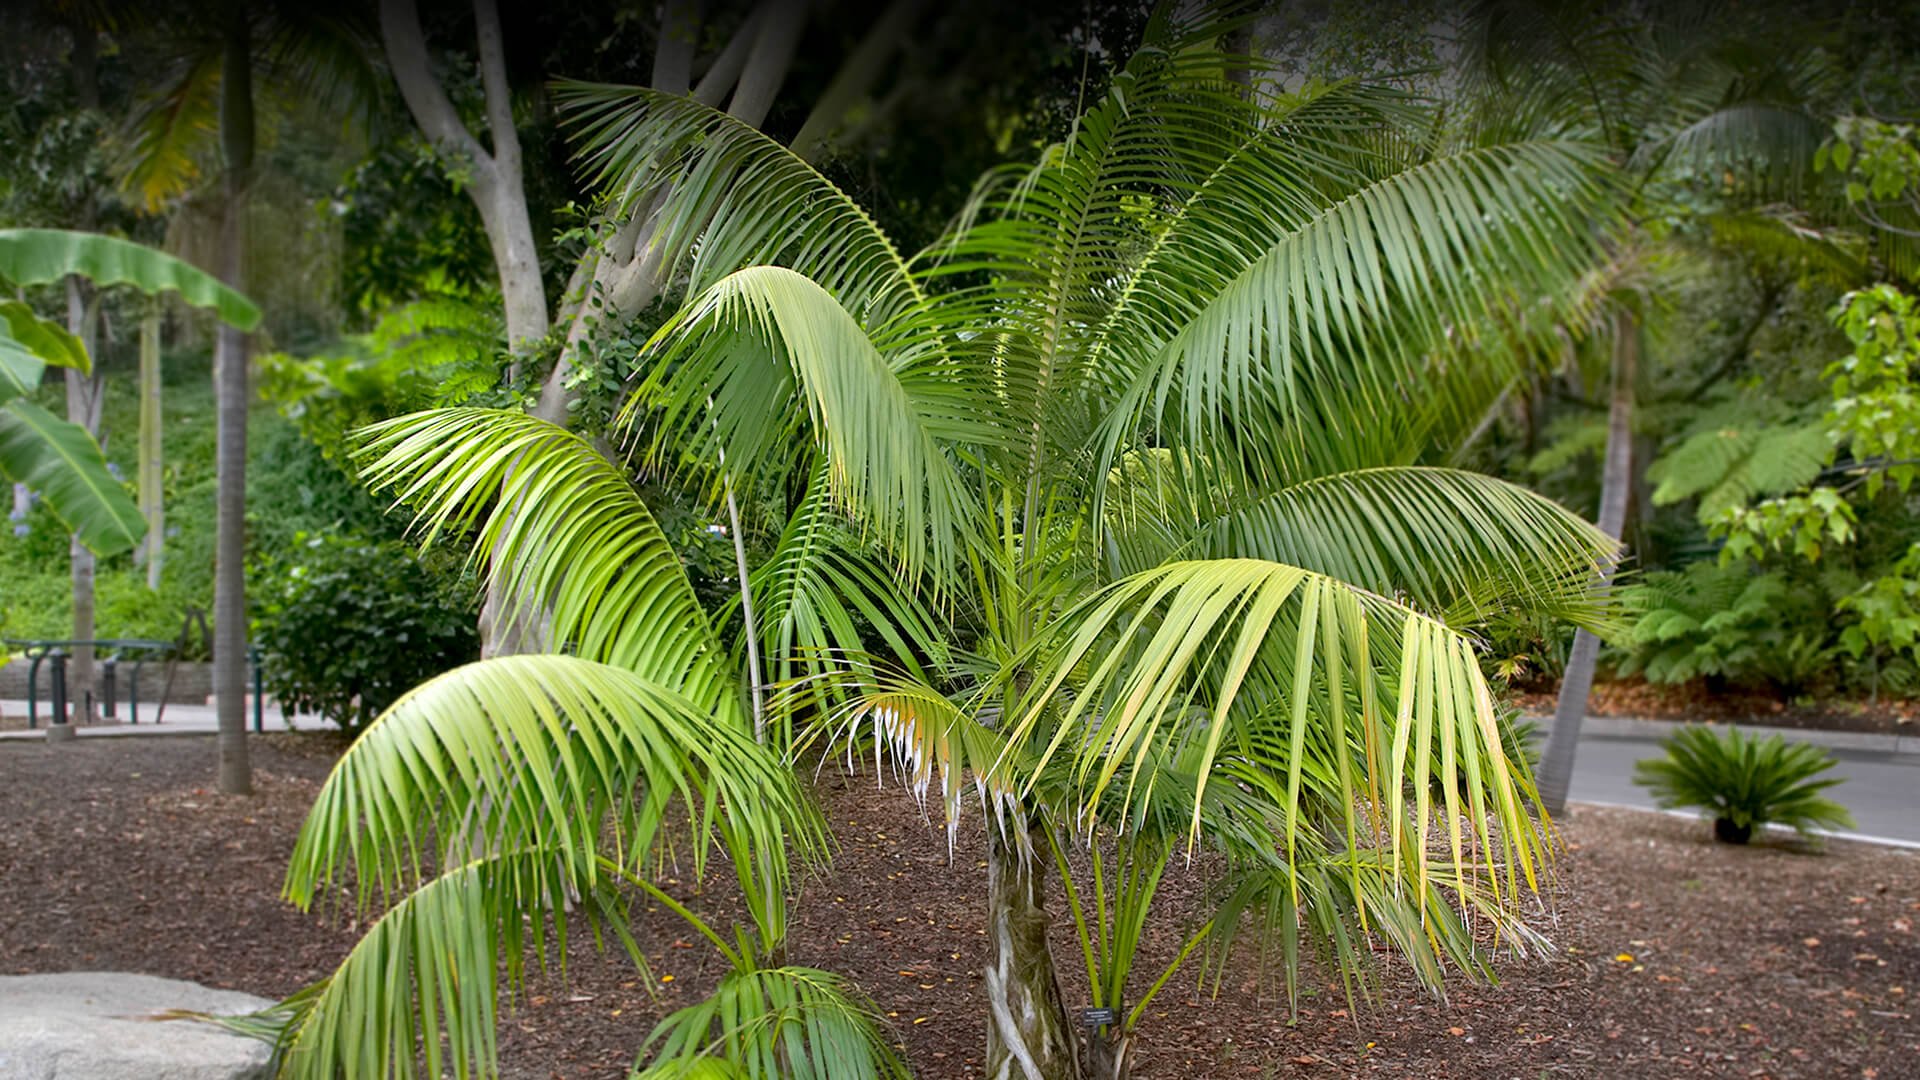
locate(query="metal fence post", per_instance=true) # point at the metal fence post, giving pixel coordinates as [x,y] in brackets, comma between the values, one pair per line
[108,691]
[253,660]
[57,685]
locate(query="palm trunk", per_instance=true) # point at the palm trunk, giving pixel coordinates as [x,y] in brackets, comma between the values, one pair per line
[1029,1036]
[1616,482]
[83,408]
[152,497]
[230,388]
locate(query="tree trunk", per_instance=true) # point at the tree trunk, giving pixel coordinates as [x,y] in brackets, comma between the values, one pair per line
[230,363]
[152,448]
[1029,1036]
[83,408]
[1616,482]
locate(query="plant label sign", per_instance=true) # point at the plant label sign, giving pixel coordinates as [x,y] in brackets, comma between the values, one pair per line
[1098,1017]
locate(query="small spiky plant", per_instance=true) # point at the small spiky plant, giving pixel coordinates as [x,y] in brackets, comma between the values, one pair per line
[1744,782]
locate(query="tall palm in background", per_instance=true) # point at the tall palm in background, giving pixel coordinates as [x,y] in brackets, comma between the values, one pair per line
[299,53]
[1710,128]
[1124,505]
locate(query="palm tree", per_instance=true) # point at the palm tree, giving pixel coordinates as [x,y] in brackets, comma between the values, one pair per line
[1725,121]
[311,57]
[1126,500]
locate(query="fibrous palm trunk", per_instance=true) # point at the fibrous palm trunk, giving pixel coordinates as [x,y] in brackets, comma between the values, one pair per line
[230,390]
[1028,1033]
[1616,483]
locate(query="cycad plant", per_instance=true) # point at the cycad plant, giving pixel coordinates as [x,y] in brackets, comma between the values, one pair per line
[1744,783]
[1124,505]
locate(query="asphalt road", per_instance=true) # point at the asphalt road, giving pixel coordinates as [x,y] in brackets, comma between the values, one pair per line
[1882,790]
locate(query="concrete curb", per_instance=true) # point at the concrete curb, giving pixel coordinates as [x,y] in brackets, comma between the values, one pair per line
[1635,727]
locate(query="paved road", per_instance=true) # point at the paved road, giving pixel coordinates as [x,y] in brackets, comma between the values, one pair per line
[1882,790]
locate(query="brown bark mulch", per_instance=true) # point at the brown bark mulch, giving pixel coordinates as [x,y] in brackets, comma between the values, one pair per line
[1639,699]
[1676,957]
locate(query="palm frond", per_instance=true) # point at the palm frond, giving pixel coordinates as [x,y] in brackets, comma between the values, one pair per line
[171,133]
[815,593]
[1294,343]
[768,343]
[565,535]
[786,1023]
[1454,543]
[538,751]
[421,987]
[1239,653]
[733,197]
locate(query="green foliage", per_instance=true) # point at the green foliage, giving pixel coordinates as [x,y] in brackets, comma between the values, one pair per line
[784,1023]
[346,626]
[1728,624]
[438,350]
[1744,783]
[45,256]
[1888,610]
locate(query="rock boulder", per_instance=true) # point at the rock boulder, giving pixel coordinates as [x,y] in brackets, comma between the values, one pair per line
[96,1025]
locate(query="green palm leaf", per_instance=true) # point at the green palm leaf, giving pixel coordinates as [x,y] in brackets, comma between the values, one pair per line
[538,751]
[733,197]
[1294,340]
[1237,652]
[814,594]
[564,534]
[424,979]
[773,1024]
[45,256]
[1454,543]
[768,342]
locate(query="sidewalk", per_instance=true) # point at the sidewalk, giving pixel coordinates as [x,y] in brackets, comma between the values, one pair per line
[178,720]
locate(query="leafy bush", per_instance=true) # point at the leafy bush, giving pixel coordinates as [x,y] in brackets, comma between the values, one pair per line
[1727,624]
[346,626]
[1743,782]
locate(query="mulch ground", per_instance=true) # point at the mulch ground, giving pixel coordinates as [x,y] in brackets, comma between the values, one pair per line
[1639,699]
[1676,956]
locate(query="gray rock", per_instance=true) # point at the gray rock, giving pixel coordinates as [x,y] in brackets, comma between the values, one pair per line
[95,1025]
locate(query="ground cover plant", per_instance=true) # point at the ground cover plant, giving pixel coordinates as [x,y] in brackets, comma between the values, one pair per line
[1744,782]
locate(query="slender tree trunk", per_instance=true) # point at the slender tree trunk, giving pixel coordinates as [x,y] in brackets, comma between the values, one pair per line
[83,408]
[230,364]
[1029,1036]
[1616,483]
[152,448]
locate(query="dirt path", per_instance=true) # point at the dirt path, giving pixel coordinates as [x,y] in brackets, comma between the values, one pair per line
[1677,957]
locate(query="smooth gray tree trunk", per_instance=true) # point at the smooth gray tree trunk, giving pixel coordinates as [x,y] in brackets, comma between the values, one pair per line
[1616,484]
[84,394]
[1029,1036]
[152,449]
[230,364]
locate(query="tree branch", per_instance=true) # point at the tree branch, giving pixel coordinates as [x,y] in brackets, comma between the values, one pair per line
[673,52]
[1769,296]
[767,64]
[856,77]
[493,77]
[407,55]
[727,64]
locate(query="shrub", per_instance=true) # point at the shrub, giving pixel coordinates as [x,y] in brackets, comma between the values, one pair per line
[345,625]
[1743,782]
